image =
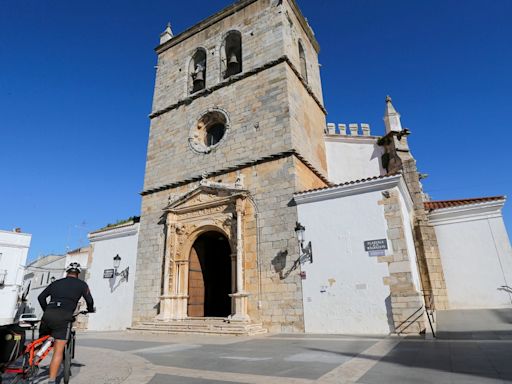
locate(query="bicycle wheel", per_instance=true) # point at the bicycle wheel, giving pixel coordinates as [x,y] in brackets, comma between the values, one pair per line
[67,360]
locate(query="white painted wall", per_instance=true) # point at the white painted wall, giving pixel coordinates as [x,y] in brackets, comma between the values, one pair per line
[476,255]
[39,274]
[344,290]
[113,298]
[352,158]
[13,255]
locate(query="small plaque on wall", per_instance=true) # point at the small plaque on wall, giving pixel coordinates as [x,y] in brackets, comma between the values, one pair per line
[375,245]
[108,273]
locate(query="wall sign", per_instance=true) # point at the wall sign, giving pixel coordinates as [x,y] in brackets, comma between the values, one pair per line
[108,273]
[375,245]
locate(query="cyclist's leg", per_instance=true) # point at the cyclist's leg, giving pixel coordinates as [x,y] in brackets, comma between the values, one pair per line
[61,334]
[58,352]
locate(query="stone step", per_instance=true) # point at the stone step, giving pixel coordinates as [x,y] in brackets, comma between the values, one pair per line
[201,325]
[176,330]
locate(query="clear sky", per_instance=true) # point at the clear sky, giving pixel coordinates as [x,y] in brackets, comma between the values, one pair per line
[76,84]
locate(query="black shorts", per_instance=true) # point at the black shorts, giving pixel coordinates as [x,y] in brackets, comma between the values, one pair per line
[57,323]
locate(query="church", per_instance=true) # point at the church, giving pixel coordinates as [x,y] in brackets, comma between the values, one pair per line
[257,215]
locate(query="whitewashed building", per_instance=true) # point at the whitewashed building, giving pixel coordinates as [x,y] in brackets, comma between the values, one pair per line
[376,198]
[14,247]
[111,287]
[38,275]
[475,251]
[345,289]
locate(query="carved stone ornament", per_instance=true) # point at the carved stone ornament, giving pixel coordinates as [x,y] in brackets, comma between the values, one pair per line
[208,130]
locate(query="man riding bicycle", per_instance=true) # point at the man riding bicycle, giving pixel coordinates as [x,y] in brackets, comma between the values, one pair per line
[58,313]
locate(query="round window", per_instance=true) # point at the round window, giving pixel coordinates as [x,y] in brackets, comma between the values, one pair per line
[209,130]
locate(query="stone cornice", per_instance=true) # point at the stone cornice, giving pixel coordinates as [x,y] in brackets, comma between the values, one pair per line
[304,24]
[237,167]
[238,77]
[202,25]
[228,11]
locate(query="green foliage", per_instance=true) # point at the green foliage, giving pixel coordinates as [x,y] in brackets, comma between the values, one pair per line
[135,219]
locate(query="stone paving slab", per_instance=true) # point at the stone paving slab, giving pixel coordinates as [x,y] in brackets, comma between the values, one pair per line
[295,358]
[443,362]
[171,379]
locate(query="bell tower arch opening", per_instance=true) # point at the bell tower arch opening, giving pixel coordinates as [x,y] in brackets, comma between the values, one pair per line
[209,283]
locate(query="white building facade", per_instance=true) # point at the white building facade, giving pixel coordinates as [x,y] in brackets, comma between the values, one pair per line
[38,275]
[14,247]
[113,288]
[376,197]
[346,288]
[475,251]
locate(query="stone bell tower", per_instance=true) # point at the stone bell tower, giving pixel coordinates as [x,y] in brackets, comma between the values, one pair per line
[236,128]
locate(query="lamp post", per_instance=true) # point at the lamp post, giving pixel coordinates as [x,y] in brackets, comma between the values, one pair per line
[306,253]
[125,272]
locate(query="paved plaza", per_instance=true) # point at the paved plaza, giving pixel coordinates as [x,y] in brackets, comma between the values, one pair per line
[135,358]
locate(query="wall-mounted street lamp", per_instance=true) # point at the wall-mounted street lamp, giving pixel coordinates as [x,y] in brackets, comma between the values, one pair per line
[124,273]
[3,273]
[306,253]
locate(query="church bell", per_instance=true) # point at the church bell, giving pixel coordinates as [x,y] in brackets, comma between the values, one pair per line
[233,64]
[198,80]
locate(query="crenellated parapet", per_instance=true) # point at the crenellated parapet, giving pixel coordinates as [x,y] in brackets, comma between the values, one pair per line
[354,129]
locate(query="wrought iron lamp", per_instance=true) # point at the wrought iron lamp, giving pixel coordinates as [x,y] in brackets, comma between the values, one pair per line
[125,272]
[306,252]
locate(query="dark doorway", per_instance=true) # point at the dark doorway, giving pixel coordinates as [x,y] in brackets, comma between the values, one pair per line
[209,283]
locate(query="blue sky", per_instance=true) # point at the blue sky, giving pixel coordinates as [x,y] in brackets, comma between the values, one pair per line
[76,83]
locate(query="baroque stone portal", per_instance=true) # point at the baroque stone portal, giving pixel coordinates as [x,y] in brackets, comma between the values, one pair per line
[192,219]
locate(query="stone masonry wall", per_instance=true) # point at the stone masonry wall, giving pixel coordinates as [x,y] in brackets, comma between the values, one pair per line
[427,249]
[259,126]
[293,31]
[307,122]
[270,247]
[406,301]
[260,25]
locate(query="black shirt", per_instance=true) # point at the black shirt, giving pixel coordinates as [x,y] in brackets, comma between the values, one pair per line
[65,293]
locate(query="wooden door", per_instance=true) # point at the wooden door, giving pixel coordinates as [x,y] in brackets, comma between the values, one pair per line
[195,286]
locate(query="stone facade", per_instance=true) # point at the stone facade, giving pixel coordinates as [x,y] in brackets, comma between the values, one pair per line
[272,147]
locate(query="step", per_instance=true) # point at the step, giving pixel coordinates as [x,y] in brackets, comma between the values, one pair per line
[201,325]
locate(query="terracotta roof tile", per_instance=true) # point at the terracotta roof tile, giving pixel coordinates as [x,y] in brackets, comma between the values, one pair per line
[431,205]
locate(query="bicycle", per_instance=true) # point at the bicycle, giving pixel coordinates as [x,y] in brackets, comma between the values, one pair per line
[36,351]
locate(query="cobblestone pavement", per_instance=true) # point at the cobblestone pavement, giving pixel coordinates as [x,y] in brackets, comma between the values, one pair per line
[133,358]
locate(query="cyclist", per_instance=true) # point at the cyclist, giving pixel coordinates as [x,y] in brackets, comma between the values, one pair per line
[58,313]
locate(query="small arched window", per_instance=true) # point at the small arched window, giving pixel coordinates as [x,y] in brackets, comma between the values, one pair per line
[303,64]
[197,71]
[231,54]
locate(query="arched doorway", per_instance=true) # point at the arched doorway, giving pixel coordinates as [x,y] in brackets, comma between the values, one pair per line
[209,283]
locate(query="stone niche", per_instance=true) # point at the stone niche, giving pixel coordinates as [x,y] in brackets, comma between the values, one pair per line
[194,263]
